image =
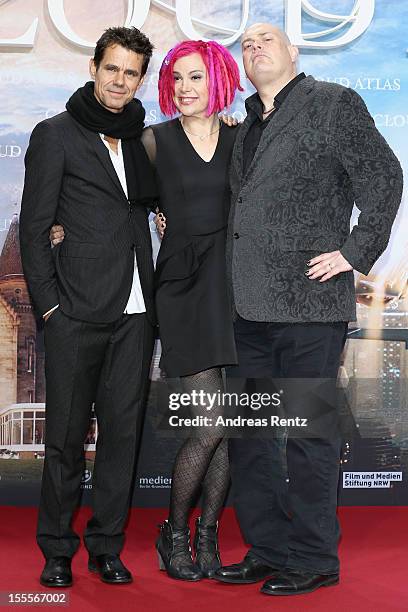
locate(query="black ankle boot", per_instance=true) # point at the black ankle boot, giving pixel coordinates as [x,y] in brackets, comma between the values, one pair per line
[207,556]
[174,552]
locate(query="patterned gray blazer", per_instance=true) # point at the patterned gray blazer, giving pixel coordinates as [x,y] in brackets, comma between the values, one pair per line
[320,154]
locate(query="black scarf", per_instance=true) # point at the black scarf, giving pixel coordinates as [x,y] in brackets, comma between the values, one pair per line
[126,126]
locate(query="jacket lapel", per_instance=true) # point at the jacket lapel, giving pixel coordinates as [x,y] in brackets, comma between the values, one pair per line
[103,156]
[290,109]
[238,150]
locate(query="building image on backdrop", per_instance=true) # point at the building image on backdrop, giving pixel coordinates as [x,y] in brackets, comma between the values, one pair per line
[22,379]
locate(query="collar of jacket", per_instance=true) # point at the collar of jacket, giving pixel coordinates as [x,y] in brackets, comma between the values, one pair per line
[254,102]
[294,102]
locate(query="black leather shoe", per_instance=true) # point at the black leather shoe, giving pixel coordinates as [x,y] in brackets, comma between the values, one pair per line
[57,572]
[248,571]
[110,569]
[296,583]
[174,552]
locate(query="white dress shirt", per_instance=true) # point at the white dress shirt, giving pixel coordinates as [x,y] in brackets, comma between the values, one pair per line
[136,302]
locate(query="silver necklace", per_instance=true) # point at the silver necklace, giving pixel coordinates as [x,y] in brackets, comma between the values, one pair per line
[265,112]
[198,135]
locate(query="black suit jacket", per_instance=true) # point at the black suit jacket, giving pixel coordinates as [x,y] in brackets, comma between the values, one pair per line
[70,179]
[320,154]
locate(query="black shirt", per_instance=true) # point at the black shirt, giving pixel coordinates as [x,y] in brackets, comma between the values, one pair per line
[254,134]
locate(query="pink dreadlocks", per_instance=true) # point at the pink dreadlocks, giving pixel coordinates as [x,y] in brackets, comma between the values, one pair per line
[222,70]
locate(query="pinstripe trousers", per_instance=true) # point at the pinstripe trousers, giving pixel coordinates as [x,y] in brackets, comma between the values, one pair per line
[107,364]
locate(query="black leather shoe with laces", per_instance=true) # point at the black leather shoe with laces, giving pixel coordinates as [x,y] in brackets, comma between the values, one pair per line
[248,571]
[110,569]
[291,582]
[57,572]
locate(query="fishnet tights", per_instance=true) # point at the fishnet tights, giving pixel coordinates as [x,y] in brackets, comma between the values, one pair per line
[202,462]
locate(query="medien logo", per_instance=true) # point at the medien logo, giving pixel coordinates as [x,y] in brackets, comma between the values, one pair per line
[154,482]
[86,478]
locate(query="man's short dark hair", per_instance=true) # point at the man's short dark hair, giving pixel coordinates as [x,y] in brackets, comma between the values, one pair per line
[129,38]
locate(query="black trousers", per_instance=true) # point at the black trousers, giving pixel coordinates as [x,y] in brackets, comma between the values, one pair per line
[84,363]
[285,487]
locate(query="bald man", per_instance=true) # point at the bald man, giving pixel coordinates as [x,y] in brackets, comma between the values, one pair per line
[305,154]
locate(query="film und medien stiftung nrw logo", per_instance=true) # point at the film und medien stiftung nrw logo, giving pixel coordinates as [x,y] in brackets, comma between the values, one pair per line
[155,482]
[370,480]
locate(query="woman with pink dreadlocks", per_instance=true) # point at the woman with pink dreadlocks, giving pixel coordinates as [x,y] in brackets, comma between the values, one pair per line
[191,154]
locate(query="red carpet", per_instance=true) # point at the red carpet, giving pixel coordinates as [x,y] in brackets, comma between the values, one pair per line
[374,555]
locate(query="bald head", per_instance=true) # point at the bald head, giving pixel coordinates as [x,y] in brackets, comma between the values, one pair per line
[262,28]
[269,57]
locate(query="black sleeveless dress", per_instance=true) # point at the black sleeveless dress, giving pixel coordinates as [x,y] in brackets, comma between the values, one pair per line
[194,313]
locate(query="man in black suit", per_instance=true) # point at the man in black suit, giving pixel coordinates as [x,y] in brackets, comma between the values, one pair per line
[87,169]
[306,152]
